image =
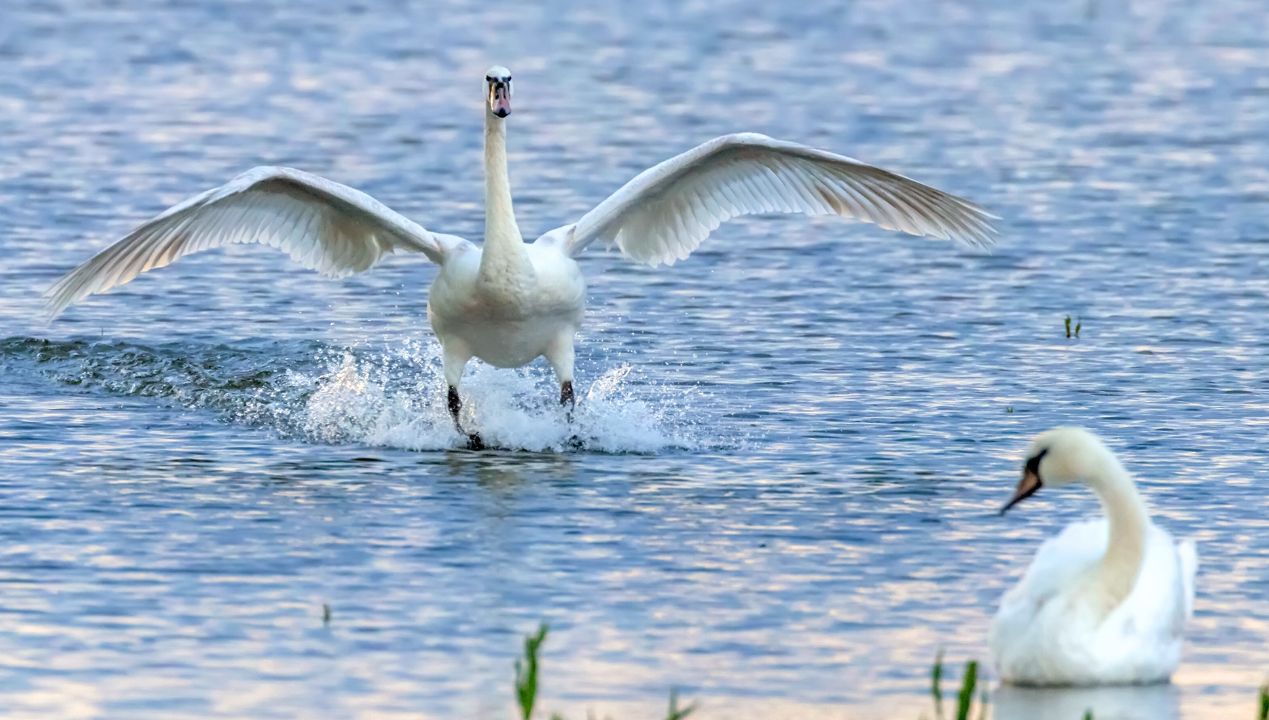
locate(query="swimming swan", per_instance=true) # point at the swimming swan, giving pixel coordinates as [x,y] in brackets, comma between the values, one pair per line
[508,302]
[1106,601]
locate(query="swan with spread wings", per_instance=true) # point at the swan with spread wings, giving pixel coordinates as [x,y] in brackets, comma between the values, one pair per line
[506,301]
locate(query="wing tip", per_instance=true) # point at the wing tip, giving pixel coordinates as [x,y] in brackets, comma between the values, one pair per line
[978,239]
[55,301]
[981,233]
[68,290]
[979,211]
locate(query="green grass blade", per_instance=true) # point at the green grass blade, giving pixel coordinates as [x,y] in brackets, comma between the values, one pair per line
[965,699]
[527,673]
[675,712]
[936,678]
[1264,702]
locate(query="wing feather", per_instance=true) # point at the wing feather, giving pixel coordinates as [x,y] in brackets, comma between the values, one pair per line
[321,224]
[665,212]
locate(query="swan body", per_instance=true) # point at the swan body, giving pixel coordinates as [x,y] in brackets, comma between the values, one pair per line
[508,302]
[1105,602]
[509,324]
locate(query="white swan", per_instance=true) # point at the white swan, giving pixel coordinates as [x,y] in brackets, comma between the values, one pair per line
[509,302]
[1106,601]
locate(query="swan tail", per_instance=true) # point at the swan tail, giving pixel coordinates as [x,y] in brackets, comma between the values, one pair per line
[1187,555]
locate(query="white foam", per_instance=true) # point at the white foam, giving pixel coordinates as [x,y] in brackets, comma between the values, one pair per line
[396,398]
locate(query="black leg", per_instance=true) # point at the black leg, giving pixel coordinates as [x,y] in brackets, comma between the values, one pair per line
[568,399]
[455,406]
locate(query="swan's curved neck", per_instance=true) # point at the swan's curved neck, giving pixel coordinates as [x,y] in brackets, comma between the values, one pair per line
[502,235]
[1116,575]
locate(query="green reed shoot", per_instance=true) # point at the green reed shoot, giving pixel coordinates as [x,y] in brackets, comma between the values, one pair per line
[527,681]
[965,698]
[1264,702]
[936,679]
[527,673]
[1072,333]
[675,712]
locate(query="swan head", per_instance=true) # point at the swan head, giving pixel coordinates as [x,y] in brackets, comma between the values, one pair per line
[1061,456]
[498,90]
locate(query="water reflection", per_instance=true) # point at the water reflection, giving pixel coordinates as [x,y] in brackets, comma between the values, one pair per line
[1136,702]
[504,471]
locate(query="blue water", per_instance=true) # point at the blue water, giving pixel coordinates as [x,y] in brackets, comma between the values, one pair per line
[794,442]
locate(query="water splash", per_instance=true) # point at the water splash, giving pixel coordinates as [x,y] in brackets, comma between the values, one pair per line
[389,396]
[394,399]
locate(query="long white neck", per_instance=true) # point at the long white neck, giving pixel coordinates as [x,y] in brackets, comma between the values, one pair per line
[1116,574]
[504,247]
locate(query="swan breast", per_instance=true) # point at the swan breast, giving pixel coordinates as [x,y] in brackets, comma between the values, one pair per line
[508,325]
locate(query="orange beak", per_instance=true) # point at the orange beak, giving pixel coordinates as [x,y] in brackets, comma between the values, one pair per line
[1027,487]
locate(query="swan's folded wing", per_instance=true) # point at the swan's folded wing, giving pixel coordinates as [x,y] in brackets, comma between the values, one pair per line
[1165,584]
[321,224]
[1061,559]
[1058,562]
[663,214]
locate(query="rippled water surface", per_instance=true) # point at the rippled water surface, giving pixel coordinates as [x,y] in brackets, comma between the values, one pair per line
[793,443]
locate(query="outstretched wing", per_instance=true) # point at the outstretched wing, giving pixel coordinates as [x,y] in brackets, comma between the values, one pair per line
[663,214]
[322,225]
